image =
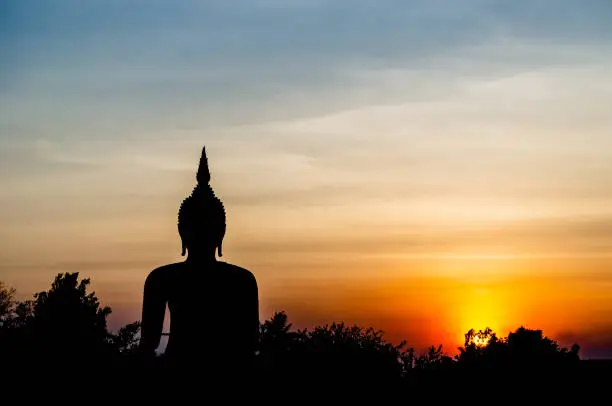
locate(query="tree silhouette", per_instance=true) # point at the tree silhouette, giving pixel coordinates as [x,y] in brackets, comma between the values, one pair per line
[434,357]
[480,347]
[531,347]
[67,320]
[327,353]
[523,348]
[7,304]
[64,324]
[126,340]
[275,334]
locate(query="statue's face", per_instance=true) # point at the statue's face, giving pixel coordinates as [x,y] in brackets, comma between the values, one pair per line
[201,223]
[204,238]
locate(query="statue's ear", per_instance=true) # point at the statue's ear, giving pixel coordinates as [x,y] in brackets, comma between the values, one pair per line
[222,235]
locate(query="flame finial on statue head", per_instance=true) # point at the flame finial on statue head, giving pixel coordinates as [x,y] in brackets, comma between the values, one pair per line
[203,175]
[201,217]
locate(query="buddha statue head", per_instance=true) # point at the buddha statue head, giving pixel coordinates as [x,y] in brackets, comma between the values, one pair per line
[201,217]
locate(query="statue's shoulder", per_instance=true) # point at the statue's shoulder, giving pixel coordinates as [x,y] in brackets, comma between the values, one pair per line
[239,272]
[161,273]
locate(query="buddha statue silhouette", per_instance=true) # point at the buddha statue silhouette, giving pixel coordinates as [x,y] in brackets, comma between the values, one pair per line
[214,310]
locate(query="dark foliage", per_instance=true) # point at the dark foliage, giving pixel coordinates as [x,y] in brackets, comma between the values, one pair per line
[67,326]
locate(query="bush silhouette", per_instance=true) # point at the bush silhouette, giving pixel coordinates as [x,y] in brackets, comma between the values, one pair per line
[327,353]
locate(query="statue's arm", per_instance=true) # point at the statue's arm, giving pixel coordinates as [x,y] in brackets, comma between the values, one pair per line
[153,311]
[255,314]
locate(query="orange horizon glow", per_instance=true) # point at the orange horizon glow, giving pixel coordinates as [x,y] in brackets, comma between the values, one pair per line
[426,299]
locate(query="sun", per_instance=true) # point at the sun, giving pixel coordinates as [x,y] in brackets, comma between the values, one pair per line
[480,340]
[478,311]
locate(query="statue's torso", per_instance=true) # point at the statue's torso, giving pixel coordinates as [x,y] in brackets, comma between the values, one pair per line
[211,308]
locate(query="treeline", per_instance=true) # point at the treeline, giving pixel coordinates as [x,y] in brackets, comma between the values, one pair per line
[66,325]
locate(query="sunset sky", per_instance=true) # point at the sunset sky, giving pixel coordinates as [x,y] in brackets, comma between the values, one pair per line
[423,167]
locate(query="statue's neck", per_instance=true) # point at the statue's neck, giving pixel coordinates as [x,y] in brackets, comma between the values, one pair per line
[201,258]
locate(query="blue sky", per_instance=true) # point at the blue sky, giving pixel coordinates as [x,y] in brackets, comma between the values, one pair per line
[400,129]
[142,57]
